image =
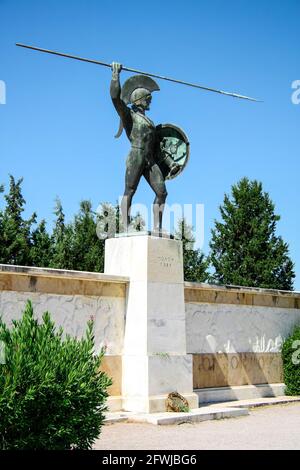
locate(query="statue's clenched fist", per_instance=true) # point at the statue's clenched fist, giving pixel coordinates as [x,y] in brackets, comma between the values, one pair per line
[116,68]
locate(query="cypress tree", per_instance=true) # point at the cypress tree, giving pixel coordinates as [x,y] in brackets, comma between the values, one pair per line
[15,231]
[195,264]
[41,250]
[61,241]
[245,249]
[87,248]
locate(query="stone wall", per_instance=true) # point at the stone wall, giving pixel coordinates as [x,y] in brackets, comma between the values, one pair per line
[235,334]
[72,298]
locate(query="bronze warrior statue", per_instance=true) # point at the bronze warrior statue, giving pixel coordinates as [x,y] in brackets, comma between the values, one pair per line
[158,153]
[145,156]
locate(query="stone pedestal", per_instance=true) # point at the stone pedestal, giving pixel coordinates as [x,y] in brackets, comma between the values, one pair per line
[154,360]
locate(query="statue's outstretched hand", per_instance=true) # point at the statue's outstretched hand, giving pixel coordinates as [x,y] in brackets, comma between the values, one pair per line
[116,69]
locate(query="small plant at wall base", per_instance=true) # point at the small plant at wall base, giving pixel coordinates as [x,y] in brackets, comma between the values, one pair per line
[291,363]
[52,393]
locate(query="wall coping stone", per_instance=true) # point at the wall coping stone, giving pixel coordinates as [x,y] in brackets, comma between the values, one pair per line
[62,273]
[240,295]
[240,289]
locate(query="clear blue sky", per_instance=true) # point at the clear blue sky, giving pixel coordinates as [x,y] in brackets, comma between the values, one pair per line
[58,124]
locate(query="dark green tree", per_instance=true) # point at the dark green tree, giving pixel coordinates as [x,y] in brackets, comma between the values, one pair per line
[290,353]
[41,249]
[195,264]
[15,230]
[87,248]
[61,241]
[245,249]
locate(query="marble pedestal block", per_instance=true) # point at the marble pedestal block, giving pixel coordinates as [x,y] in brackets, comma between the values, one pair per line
[154,359]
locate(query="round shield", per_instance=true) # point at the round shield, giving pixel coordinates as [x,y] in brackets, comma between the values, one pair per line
[172,148]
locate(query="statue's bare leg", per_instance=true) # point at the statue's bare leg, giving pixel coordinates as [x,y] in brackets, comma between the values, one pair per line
[134,170]
[156,180]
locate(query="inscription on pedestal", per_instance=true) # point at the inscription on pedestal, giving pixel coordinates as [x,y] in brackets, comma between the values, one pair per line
[166,261]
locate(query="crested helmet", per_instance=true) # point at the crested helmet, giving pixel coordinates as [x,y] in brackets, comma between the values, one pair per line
[134,89]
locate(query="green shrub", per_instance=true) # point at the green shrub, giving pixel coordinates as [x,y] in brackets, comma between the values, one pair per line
[291,363]
[52,393]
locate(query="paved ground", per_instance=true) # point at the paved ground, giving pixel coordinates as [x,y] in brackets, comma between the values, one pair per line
[274,427]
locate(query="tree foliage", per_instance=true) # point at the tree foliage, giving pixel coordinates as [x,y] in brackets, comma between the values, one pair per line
[61,241]
[74,245]
[52,392]
[291,362]
[41,251]
[15,231]
[195,264]
[87,248]
[245,249]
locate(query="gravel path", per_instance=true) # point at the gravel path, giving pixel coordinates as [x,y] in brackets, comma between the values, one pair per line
[274,427]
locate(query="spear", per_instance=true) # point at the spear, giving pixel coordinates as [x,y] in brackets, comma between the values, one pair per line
[128,69]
